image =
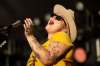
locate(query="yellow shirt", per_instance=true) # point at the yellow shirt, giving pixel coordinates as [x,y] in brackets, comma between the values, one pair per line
[61,37]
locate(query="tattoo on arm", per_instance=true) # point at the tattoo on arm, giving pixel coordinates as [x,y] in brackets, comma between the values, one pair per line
[53,53]
[56,50]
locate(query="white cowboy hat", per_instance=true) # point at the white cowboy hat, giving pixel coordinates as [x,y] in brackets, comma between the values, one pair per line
[68,16]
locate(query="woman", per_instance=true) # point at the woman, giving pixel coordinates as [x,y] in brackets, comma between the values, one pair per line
[61,33]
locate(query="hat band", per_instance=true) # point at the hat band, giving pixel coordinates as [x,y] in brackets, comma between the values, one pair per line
[68,29]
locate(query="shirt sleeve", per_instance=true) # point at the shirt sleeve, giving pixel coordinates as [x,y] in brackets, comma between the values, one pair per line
[31,60]
[62,37]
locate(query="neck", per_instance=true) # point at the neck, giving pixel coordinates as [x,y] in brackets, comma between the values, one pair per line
[49,35]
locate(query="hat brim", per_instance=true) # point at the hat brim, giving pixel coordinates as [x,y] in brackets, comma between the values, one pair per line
[68,16]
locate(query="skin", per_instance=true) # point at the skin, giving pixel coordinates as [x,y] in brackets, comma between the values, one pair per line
[55,50]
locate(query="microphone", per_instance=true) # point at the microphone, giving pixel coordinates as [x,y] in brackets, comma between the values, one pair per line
[13,25]
[16,24]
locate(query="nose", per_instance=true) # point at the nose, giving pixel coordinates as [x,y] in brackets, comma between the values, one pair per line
[52,18]
[51,21]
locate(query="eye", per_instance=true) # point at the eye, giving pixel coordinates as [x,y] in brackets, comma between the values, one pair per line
[59,18]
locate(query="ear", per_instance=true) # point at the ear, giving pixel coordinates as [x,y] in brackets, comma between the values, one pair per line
[65,29]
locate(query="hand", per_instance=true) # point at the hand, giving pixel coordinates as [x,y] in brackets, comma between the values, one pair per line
[28,26]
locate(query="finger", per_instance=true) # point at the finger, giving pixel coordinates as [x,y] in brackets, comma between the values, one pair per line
[26,24]
[24,27]
[30,21]
[29,25]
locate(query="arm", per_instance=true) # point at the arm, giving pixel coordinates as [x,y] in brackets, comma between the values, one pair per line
[46,56]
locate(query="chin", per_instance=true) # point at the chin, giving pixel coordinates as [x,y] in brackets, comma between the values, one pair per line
[50,31]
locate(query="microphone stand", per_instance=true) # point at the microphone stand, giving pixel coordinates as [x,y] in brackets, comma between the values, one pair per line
[8,31]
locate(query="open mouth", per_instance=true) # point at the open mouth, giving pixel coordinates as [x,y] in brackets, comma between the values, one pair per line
[51,22]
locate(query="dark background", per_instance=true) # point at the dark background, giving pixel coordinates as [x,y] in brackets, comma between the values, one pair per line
[16,51]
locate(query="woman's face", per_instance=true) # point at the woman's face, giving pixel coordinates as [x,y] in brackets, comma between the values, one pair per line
[55,24]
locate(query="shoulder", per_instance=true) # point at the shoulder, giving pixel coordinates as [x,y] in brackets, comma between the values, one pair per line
[62,37]
[59,33]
